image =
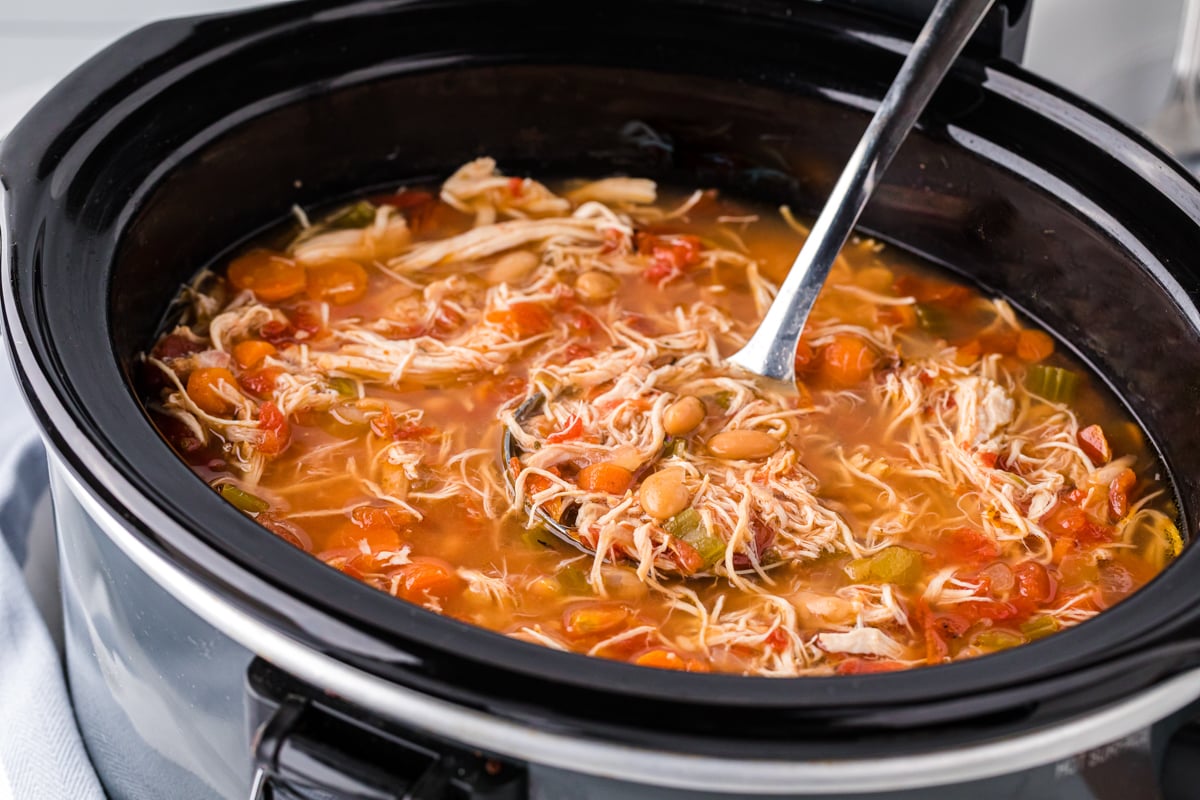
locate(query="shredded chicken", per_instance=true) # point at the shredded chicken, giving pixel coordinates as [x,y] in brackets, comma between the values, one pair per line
[888,513]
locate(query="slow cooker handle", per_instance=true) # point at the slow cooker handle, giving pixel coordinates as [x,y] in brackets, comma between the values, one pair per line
[304,743]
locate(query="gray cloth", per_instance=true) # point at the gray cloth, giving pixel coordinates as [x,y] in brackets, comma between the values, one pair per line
[41,753]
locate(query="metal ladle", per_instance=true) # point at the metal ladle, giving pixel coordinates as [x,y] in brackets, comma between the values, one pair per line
[771,351]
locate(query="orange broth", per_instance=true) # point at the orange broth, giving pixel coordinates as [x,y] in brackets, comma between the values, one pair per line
[467,557]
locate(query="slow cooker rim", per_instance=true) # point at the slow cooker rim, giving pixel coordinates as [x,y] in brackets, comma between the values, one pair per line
[58,420]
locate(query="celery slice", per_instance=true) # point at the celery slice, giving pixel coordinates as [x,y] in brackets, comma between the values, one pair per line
[243,500]
[1056,384]
[997,639]
[684,523]
[688,526]
[1040,627]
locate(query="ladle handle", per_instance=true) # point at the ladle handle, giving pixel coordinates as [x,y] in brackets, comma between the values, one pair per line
[771,351]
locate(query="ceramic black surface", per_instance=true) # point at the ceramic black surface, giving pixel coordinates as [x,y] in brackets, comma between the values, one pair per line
[188,137]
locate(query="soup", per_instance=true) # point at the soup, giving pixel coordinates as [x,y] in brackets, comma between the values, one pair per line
[941,483]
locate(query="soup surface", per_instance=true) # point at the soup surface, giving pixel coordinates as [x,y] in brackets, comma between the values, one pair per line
[942,483]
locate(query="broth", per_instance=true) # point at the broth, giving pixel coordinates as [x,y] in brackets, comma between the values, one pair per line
[945,483]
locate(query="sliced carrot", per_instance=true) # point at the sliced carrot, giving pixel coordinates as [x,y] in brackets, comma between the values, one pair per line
[1003,341]
[250,352]
[340,282]
[522,319]
[669,659]
[1034,346]
[846,361]
[967,354]
[271,276]
[375,538]
[425,576]
[605,477]
[203,387]
[594,619]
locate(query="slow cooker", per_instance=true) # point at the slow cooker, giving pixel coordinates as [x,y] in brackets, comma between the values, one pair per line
[208,659]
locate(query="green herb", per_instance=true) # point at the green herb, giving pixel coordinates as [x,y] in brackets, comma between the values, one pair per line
[243,500]
[672,447]
[1039,627]
[997,639]
[358,215]
[1056,384]
[724,399]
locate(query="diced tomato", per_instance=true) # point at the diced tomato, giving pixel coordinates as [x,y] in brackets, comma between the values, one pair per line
[574,352]
[572,430]
[501,391]
[386,426]
[580,321]
[778,640]
[1067,519]
[286,530]
[865,666]
[522,320]
[274,429]
[967,547]
[306,319]
[1094,444]
[1118,494]
[176,345]
[994,610]
[1034,586]
[276,331]
[516,186]
[687,557]
[261,382]
[670,254]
